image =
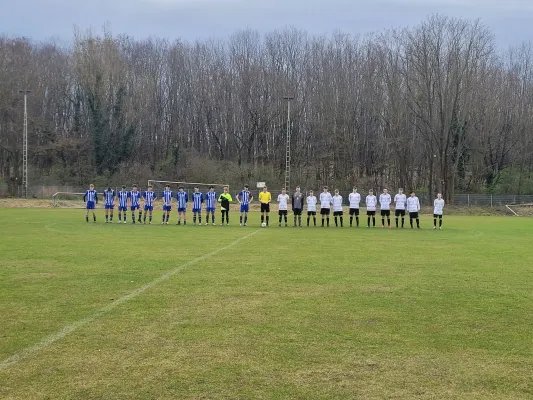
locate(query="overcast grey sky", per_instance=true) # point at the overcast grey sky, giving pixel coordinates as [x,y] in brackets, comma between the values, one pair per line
[510,20]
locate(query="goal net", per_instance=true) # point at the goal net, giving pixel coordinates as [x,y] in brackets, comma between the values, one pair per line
[159,187]
[521,210]
[68,200]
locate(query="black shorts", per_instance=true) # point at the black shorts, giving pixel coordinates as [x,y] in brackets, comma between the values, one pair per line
[297,211]
[311,212]
[324,211]
[354,211]
[399,213]
[370,213]
[385,213]
[413,215]
[282,212]
[437,215]
[337,213]
[265,207]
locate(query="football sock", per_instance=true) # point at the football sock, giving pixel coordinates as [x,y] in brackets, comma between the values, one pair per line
[194,219]
[150,217]
[327,219]
[308,218]
[357,220]
[341,221]
[240,219]
[351,220]
[411,222]
[335,218]
[87,218]
[314,221]
[295,220]
[246,219]
[213,218]
[299,220]
[111,217]
[440,222]
[388,221]
[322,222]
[417,223]
[227,218]
[94,217]
[133,217]
[168,216]
[396,222]
[403,221]
[120,216]
[199,219]
[164,217]
[285,218]
[262,218]
[368,221]
[280,219]
[268,217]
[373,221]
[382,221]
[435,222]
[140,215]
[106,218]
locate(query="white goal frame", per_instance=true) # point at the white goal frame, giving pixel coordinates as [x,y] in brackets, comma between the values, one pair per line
[55,200]
[152,181]
[508,206]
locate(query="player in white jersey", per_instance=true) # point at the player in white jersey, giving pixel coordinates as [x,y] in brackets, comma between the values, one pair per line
[371,203]
[354,198]
[384,205]
[413,207]
[337,207]
[311,207]
[283,206]
[325,205]
[399,206]
[438,206]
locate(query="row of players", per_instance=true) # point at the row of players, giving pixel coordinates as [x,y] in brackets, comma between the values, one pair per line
[132,200]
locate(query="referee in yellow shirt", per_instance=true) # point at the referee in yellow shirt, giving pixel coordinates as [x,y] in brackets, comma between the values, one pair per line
[265,198]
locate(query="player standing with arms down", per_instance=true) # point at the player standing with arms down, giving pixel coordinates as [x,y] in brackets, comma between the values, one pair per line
[355,199]
[413,207]
[438,207]
[182,197]
[210,202]
[265,198]
[283,206]
[371,203]
[109,204]
[384,205]
[167,204]
[197,200]
[244,198]
[91,199]
[297,205]
[325,205]
[399,206]
[337,207]
[149,198]
[135,203]
[123,196]
[224,200]
[311,207]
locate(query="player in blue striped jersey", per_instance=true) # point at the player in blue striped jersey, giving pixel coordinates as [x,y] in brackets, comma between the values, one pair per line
[210,201]
[149,198]
[183,198]
[135,203]
[245,198]
[167,204]
[91,197]
[123,196]
[197,200]
[109,204]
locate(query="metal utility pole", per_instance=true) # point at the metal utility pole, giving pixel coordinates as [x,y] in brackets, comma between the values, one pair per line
[288,147]
[25,146]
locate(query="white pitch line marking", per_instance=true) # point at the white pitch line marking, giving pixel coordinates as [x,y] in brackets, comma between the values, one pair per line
[48,341]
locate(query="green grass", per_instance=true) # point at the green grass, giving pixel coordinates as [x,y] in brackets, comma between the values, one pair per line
[283,314]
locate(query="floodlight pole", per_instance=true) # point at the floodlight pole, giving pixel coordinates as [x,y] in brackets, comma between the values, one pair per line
[288,146]
[25,145]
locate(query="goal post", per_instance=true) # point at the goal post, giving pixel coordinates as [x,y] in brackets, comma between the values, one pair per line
[521,209]
[159,186]
[68,200]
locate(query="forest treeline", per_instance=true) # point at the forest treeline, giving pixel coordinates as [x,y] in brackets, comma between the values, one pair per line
[435,107]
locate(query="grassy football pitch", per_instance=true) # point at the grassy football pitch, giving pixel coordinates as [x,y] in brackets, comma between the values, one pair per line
[96,311]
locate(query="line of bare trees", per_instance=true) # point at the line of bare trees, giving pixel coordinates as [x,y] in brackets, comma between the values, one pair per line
[434,107]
